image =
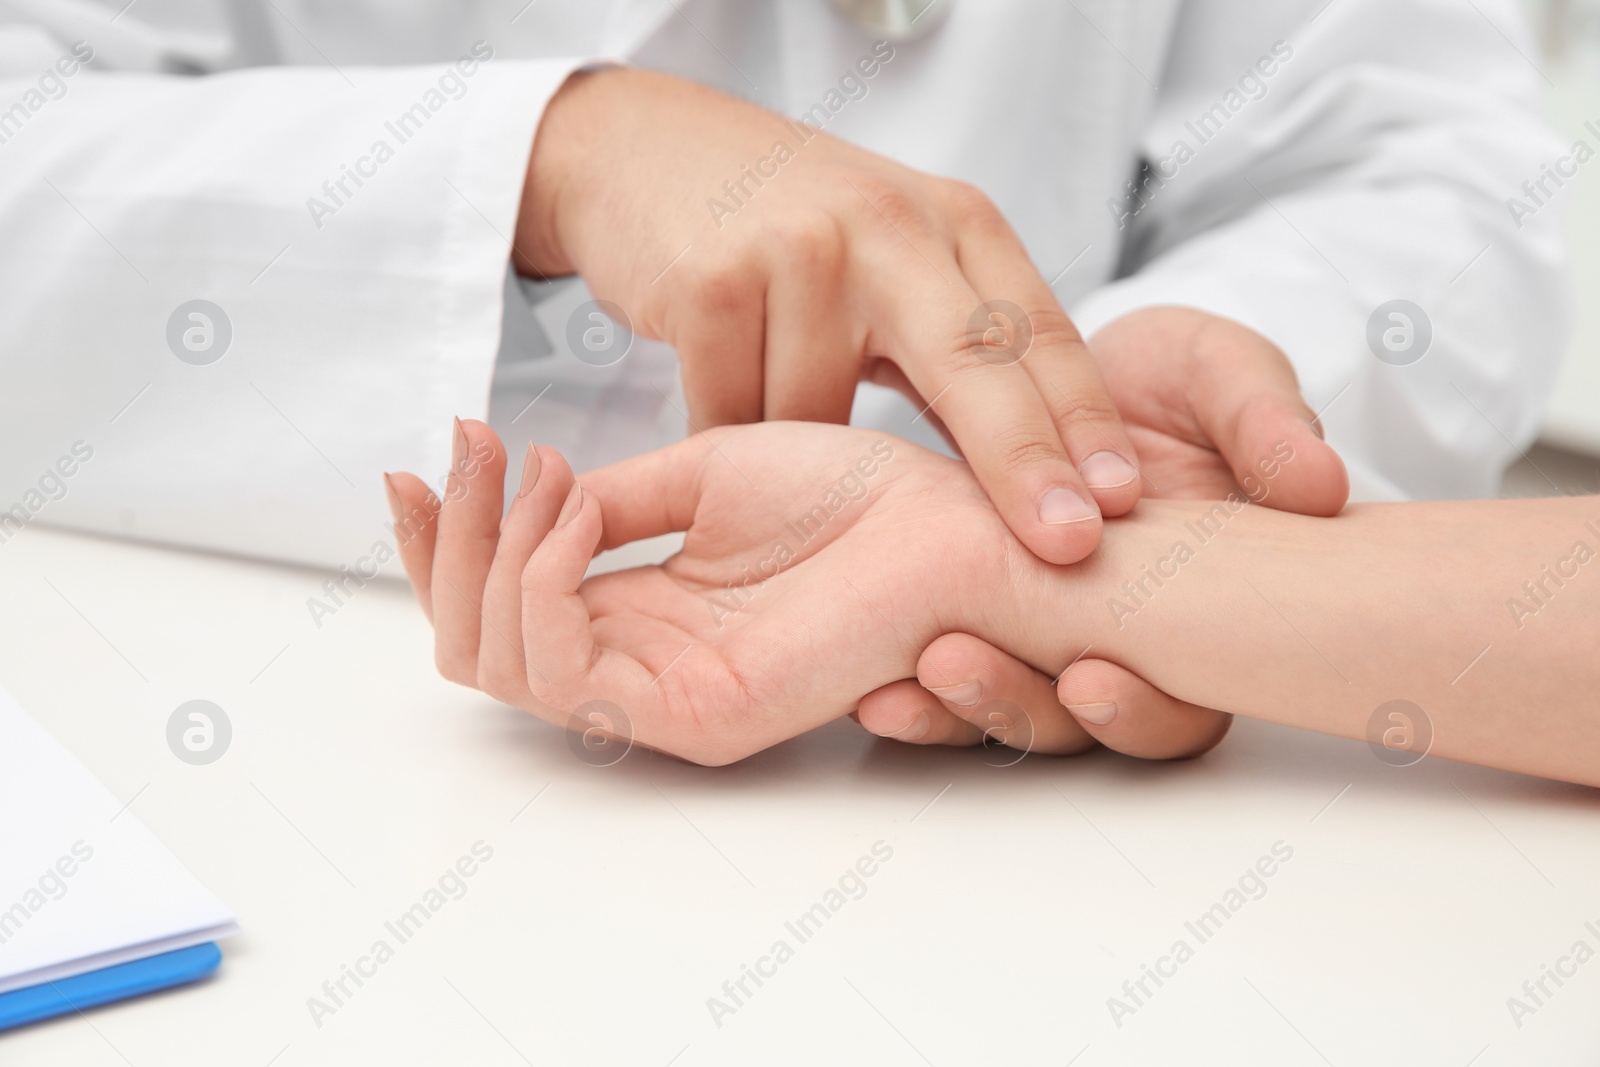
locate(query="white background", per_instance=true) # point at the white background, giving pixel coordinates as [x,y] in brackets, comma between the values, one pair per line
[1570,33]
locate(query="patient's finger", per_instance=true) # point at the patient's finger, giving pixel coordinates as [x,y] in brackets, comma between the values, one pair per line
[502,665]
[469,528]
[904,711]
[567,668]
[416,528]
[1124,712]
[1000,696]
[560,660]
[650,494]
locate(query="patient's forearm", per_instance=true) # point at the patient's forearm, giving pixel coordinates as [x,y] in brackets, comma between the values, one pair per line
[1485,614]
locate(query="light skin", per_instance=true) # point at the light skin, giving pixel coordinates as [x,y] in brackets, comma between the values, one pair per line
[845,266]
[1208,402]
[1318,623]
[841,265]
[707,663]
[1309,622]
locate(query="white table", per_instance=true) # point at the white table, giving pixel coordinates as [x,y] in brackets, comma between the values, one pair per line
[618,900]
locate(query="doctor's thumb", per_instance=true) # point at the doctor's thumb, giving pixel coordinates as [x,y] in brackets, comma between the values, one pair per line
[1280,459]
[1126,713]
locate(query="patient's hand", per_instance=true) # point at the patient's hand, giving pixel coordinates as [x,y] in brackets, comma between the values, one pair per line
[819,561]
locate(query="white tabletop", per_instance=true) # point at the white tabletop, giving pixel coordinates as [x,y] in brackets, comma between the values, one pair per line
[617,900]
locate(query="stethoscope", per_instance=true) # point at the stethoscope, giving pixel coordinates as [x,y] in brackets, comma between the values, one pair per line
[894,20]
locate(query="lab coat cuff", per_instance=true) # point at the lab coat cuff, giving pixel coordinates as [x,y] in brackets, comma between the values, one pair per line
[481,197]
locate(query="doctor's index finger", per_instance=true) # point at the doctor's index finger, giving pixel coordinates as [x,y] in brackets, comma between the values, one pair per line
[964,355]
[1025,326]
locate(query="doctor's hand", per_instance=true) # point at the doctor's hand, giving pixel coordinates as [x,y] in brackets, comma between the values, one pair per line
[785,265]
[1214,408]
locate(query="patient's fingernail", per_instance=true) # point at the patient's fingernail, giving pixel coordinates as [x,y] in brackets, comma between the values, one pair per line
[1098,714]
[394,496]
[530,472]
[1060,506]
[458,447]
[1107,470]
[916,729]
[964,695]
[571,508]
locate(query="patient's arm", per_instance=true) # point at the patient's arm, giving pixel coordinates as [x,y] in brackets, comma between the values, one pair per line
[819,560]
[1484,614]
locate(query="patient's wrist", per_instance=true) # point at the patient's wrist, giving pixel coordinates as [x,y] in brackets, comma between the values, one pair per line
[1157,574]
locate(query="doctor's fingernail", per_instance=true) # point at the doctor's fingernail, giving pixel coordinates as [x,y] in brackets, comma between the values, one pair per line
[964,695]
[458,446]
[1098,714]
[530,472]
[394,497]
[1060,506]
[571,508]
[1107,470]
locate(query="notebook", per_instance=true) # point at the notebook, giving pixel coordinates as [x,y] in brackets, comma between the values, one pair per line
[85,887]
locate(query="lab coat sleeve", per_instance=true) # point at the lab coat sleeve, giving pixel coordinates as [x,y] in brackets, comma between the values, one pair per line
[348,230]
[1378,153]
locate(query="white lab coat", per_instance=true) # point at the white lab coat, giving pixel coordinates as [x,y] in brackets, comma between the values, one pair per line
[186,160]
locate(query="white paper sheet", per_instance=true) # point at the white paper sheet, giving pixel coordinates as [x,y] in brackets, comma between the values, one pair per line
[83,883]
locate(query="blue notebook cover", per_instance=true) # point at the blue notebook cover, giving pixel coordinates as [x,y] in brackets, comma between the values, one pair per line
[125,980]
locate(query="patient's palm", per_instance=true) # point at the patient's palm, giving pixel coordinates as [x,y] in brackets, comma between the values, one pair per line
[819,562]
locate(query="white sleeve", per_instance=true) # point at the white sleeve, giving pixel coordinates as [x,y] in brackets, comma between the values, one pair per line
[352,226]
[1309,168]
